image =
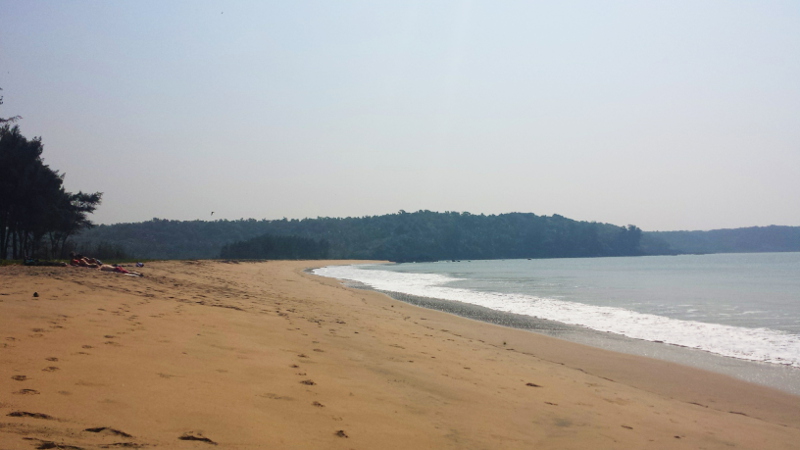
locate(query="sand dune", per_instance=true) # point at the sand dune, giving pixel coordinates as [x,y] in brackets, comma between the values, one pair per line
[262,355]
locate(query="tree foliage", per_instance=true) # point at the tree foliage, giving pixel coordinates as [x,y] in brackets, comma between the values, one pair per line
[418,236]
[276,247]
[7,119]
[773,238]
[37,215]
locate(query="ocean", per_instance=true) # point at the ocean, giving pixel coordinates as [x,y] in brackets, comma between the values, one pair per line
[737,314]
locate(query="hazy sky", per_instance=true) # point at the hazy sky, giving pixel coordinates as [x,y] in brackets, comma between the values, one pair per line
[663,114]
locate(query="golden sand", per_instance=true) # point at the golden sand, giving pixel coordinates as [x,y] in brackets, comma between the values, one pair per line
[262,355]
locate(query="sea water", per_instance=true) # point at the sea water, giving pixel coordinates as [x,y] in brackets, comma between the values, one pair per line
[737,314]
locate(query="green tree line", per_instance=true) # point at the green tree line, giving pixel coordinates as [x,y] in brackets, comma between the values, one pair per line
[768,239]
[418,236]
[276,247]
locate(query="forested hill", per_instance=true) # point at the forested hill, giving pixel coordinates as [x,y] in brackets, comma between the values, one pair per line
[419,236]
[739,240]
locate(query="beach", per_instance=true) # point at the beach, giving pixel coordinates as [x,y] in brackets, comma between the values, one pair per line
[212,354]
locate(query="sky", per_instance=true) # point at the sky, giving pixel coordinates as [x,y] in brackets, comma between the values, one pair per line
[669,115]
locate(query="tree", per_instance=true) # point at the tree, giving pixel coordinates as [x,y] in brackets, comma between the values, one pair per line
[9,119]
[628,240]
[33,201]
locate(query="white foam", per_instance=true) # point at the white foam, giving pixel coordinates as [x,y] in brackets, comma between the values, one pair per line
[755,344]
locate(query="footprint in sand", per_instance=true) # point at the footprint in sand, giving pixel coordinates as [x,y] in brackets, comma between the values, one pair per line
[107,430]
[50,369]
[196,437]
[272,396]
[27,392]
[19,377]
[30,414]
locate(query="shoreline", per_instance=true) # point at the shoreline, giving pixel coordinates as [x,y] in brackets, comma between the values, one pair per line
[467,302]
[645,372]
[265,354]
[784,378]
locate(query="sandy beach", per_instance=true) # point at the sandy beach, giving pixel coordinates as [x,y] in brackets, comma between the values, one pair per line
[204,354]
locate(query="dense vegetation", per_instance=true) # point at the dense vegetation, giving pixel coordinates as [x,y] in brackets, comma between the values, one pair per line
[419,236]
[276,247]
[739,240]
[426,235]
[37,215]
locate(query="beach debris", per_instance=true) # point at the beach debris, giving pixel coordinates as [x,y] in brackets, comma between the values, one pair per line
[341,433]
[19,378]
[35,294]
[532,385]
[196,437]
[626,427]
[318,404]
[308,382]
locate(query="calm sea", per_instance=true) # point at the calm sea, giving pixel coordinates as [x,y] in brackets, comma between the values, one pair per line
[733,313]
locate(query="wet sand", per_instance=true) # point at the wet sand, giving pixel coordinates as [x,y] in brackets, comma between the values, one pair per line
[263,355]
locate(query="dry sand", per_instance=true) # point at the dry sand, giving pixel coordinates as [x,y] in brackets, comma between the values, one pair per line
[262,355]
